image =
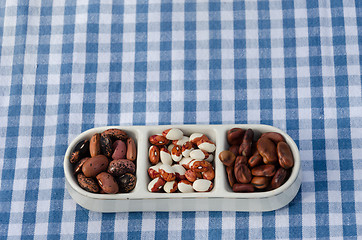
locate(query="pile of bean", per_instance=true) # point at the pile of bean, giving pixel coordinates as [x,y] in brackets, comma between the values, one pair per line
[251,166]
[181,163]
[105,163]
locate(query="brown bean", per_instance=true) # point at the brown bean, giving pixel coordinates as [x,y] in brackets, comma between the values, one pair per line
[235,136]
[115,133]
[131,149]
[154,154]
[230,175]
[267,150]
[107,182]
[95,145]
[243,187]
[95,165]
[81,150]
[255,160]
[279,178]
[106,145]
[118,167]
[158,140]
[264,170]
[241,160]
[88,184]
[242,173]
[274,136]
[234,149]
[119,150]
[245,148]
[227,158]
[126,182]
[285,155]
[260,182]
[78,166]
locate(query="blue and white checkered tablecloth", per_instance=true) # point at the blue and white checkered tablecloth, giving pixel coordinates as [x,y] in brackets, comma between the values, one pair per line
[68,66]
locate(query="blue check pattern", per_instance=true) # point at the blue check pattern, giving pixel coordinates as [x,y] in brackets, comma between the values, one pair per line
[67,66]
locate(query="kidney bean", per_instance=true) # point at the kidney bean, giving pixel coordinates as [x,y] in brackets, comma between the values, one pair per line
[126,182]
[154,154]
[167,173]
[209,174]
[176,153]
[242,173]
[116,134]
[165,156]
[158,140]
[185,186]
[267,150]
[185,162]
[260,182]
[279,178]
[95,145]
[235,136]
[170,187]
[201,166]
[106,145]
[285,155]
[202,185]
[107,182]
[264,170]
[81,150]
[154,171]
[87,183]
[173,134]
[119,150]
[245,148]
[187,147]
[206,145]
[179,171]
[118,167]
[156,184]
[131,149]
[191,175]
[181,141]
[243,187]
[227,158]
[199,154]
[95,165]
[196,137]
[78,166]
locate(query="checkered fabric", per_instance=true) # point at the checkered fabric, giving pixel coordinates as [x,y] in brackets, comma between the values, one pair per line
[67,66]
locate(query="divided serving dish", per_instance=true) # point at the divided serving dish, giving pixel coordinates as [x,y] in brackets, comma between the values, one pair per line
[220,198]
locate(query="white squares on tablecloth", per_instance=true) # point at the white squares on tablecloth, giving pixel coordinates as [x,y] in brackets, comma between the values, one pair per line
[148,222]
[15,228]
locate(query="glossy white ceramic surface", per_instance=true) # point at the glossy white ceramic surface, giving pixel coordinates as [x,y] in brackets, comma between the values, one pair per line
[221,198]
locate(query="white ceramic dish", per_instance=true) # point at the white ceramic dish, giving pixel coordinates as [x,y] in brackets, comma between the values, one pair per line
[221,198]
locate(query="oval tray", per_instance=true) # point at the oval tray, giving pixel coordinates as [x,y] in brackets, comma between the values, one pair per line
[220,198]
